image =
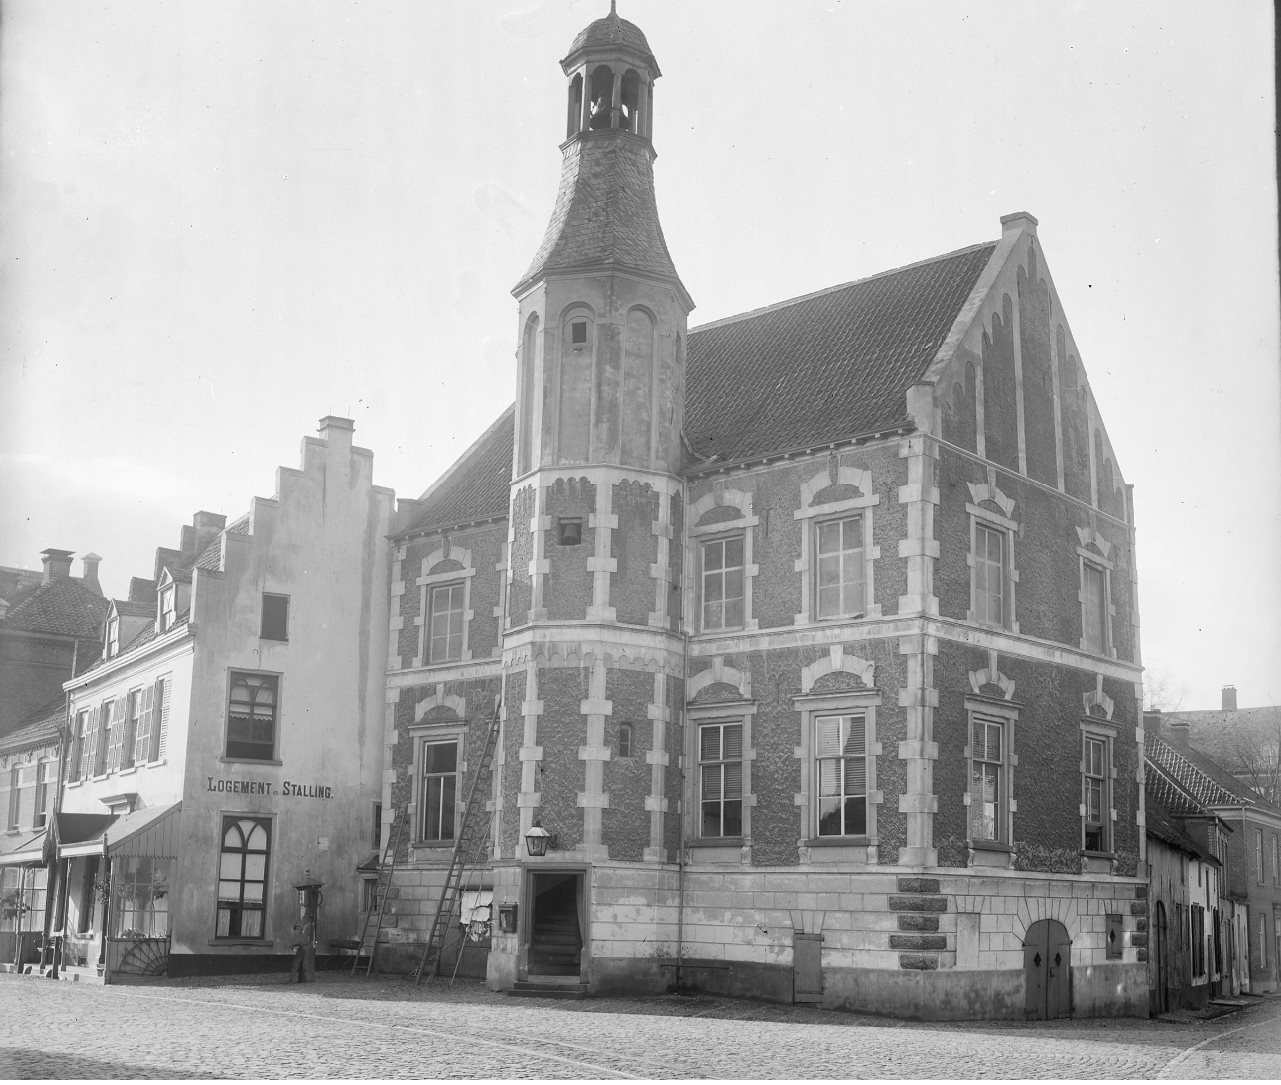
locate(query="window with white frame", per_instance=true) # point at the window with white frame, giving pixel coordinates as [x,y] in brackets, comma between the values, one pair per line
[720,779]
[446,603]
[1258,855]
[1096,799]
[15,796]
[242,877]
[991,566]
[113,637]
[252,707]
[140,896]
[840,770]
[106,720]
[840,588]
[1263,941]
[168,608]
[1094,608]
[129,737]
[1276,859]
[44,796]
[989,779]
[438,790]
[722,583]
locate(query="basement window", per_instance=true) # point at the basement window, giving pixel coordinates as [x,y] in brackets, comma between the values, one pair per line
[569,532]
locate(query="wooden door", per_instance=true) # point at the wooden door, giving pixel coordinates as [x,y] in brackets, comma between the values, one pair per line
[807,967]
[1047,969]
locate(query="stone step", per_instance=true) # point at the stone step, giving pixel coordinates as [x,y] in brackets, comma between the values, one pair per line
[563,989]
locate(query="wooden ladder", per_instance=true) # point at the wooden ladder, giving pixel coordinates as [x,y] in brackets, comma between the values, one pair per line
[470,852]
[386,871]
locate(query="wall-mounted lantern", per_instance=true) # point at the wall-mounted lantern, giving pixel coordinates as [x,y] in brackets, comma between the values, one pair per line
[538,840]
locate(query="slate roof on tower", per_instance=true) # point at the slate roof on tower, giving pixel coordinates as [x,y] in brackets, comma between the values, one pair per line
[611,30]
[812,371]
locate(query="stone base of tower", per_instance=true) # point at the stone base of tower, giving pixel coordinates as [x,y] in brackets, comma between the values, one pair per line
[939,945]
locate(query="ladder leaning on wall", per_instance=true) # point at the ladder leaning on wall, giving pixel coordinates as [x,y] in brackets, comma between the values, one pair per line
[386,871]
[470,853]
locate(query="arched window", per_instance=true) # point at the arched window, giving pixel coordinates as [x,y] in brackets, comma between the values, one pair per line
[577,342]
[529,386]
[630,100]
[574,121]
[251,716]
[242,877]
[601,97]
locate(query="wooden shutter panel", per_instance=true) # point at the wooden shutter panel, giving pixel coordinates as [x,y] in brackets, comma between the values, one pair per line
[142,740]
[89,744]
[119,710]
[160,720]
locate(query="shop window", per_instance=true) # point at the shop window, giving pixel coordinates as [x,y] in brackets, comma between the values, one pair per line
[439,789]
[720,776]
[252,716]
[722,583]
[840,762]
[275,617]
[1096,798]
[445,623]
[140,897]
[242,877]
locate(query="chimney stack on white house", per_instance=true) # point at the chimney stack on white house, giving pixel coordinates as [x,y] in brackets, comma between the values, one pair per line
[1229,698]
[90,575]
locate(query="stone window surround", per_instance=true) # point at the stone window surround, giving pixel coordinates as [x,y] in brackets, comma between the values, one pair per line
[740,710]
[809,515]
[1004,523]
[1008,714]
[420,735]
[720,497]
[1094,727]
[864,702]
[1095,550]
[431,580]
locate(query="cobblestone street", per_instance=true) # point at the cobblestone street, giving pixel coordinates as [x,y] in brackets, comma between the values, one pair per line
[386,1028]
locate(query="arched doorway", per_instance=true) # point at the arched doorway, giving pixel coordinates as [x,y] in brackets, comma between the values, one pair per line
[1161,959]
[1047,967]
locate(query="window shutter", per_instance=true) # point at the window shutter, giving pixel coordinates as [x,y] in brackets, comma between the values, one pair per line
[160,720]
[142,740]
[89,744]
[119,710]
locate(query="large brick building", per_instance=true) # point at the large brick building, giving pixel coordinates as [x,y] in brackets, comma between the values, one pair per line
[815,628]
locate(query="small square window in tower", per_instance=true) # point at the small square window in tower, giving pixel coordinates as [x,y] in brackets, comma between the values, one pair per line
[569,532]
[578,333]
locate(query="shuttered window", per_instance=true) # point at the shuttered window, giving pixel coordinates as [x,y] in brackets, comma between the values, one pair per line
[840,755]
[720,770]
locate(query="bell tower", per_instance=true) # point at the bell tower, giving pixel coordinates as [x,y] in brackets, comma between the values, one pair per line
[593,655]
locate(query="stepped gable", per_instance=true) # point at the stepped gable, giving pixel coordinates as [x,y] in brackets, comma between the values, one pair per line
[824,367]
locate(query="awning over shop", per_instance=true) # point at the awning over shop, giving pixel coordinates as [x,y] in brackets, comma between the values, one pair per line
[152,832]
[29,848]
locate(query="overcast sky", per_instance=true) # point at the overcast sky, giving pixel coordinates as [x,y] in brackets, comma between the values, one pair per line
[223,220]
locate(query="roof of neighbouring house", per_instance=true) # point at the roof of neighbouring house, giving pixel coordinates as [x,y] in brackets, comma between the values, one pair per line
[59,606]
[812,371]
[38,729]
[1233,736]
[1206,781]
[1161,823]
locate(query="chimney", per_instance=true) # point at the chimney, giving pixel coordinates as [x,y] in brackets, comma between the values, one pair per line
[336,431]
[207,525]
[1179,733]
[90,577]
[1019,220]
[1229,698]
[1152,722]
[57,564]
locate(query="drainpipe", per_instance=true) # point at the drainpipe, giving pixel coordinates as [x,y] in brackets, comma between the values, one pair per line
[680,823]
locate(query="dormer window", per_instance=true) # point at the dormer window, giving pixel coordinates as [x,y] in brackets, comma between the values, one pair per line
[168,608]
[113,637]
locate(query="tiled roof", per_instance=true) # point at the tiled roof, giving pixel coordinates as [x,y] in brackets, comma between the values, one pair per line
[1233,737]
[477,486]
[1209,783]
[64,606]
[1160,823]
[15,581]
[611,30]
[605,213]
[211,556]
[824,367]
[1159,786]
[40,728]
[811,371]
[128,608]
